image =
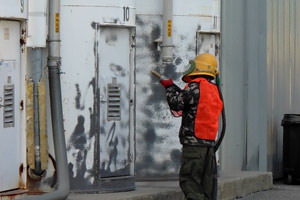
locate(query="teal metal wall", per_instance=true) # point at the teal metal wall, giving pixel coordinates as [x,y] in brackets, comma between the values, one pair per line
[243,69]
[260,65]
[283,68]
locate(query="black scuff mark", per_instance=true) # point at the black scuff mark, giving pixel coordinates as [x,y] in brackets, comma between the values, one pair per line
[217,49]
[148,112]
[158,93]
[175,156]
[191,47]
[148,159]
[163,125]
[117,69]
[95,25]
[111,133]
[150,136]
[178,61]
[111,39]
[145,89]
[78,138]
[148,165]
[78,98]
[170,71]
[120,172]
[158,96]
[182,37]
[113,154]
[124,141]
[155,103]
[102,130]
[200,42]
[155,34]
[106,166]
[139,21]
[78,142]
[146,39]
[83,176]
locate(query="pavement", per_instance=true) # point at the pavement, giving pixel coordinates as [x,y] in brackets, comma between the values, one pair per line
[230,186]
[280,191]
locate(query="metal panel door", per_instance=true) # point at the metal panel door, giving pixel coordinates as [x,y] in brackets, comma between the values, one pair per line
[9,111]
[114,80]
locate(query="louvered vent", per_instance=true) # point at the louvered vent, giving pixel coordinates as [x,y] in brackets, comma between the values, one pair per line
[8,114]
[113,102]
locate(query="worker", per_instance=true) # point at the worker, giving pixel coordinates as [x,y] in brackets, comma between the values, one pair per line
[200,105]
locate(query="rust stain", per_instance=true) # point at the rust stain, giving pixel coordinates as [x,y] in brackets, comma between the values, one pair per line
[12,194]
[21,183]
[29,124]
[43,124]
[35,192]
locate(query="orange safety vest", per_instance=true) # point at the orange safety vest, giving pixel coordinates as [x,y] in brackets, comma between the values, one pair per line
[209,109]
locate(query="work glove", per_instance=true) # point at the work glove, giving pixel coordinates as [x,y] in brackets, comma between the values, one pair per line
[166,83]
[176,113]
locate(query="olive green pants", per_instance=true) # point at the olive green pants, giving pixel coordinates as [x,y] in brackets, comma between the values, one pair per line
[198,173]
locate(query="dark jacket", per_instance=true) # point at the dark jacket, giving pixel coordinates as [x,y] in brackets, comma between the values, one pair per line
[187,100]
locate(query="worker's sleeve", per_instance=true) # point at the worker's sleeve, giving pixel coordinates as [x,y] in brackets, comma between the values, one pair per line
[178,98]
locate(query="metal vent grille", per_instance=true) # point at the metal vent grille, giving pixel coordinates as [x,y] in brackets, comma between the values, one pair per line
[113,102]
[8,114]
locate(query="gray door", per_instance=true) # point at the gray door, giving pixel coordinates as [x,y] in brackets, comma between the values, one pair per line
[114,83]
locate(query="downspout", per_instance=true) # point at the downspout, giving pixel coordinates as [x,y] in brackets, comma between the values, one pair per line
[63,183]
[167,43]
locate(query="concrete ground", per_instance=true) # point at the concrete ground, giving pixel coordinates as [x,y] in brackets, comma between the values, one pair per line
[280,191]
[230,186]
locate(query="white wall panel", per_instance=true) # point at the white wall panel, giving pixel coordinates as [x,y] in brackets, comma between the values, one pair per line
[13,9]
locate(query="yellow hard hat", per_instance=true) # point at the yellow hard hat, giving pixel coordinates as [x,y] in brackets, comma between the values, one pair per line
[203,64]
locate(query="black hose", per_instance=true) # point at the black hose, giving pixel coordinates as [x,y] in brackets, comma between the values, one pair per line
[219,141]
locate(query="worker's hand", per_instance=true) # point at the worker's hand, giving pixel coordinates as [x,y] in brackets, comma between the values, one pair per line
[167,83]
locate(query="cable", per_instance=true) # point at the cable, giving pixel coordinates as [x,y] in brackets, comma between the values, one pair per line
[218,143]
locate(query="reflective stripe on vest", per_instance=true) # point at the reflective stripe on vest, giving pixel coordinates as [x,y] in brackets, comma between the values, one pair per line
[208,110]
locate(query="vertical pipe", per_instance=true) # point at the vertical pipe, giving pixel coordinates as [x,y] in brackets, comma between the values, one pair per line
[167,43]
[63,183]
[37,169]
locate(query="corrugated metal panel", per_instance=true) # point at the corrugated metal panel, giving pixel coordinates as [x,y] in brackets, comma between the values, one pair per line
[283,66]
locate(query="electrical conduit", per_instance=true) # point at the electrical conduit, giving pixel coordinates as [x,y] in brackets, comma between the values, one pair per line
[167,43]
